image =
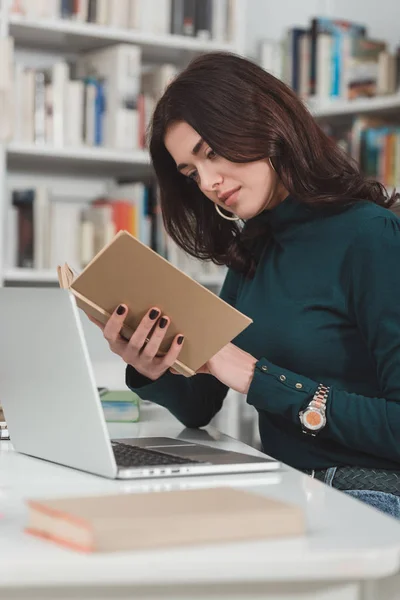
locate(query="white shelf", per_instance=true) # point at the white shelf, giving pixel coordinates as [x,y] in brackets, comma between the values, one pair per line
[348,108]
[71,36]
[79,158]
[18,275]
[31,276]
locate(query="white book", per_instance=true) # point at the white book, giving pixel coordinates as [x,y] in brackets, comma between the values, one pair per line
[120,67]
[149,103]
[148,12]
[125,129]
[48,100]
[386,83]
[28,106]
[18,100]
[155,79]
[158,16]
[60,78]
[179,258]
[86,239]
[118,14]
[103,11]
[74,113]
[270,56]
[231,20]
[40,108]
[134,14]
[103,225]
[6,87]
[65,231]
[304,66]
[324,66]
[90,118]
[219,20]
[38,9]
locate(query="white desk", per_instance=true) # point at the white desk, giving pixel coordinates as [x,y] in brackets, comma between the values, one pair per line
[350,551]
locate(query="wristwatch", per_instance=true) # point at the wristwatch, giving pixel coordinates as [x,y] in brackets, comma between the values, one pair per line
[313,418]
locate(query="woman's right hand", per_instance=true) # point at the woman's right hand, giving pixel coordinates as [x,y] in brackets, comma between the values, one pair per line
[139,352]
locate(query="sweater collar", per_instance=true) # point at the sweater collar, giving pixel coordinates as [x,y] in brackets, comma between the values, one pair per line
[289,212]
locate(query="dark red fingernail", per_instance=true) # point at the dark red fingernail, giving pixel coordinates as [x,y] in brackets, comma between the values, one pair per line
[180,339]
[120,310]
[154,314]
[163,322]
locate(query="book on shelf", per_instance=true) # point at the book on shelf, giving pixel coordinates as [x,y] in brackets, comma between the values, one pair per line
[127,271]
[121,522]
[204,19]
[115,74]
[374,143]
[104,98]
[332,59]
[43,230]
[6,87]
[378,145]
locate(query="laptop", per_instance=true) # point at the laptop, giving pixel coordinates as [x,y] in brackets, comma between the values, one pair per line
[52,405]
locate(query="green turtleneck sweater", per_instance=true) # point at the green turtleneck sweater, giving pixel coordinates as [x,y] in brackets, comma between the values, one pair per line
[325,304]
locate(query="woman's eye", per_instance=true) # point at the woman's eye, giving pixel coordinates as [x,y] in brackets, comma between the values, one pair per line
[192,175]
[211,154]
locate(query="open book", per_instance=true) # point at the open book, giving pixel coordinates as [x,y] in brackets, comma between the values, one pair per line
[128,272]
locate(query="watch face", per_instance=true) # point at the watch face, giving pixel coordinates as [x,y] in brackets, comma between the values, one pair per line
[313,419]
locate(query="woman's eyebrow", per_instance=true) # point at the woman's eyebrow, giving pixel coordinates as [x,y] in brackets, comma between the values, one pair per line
[196,149]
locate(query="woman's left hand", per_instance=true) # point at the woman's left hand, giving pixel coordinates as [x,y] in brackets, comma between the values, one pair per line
[232,366]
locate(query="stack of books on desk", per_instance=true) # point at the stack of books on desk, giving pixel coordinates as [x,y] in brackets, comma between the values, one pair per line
[3,426]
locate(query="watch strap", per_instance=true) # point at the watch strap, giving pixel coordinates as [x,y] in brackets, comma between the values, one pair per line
[316,406]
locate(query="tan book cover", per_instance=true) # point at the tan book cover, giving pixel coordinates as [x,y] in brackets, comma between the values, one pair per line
[128,272]
[141,521]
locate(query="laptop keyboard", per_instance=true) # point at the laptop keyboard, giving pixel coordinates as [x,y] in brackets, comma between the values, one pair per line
[133,456]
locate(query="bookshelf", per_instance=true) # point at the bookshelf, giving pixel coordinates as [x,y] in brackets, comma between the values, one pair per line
[65,37]
[68,36]
[95,160]
[55,38]
[335,109]
[31,276]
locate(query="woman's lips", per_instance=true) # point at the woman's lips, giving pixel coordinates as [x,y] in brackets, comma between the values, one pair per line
[232,198]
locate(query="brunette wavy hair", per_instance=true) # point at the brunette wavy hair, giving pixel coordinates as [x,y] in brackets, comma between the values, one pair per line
[246,114]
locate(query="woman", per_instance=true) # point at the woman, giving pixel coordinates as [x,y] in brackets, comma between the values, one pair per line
[249,180]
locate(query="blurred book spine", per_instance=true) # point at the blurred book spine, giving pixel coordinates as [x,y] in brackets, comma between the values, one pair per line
[45,231]
[332,59]
[120,406]
[374,143]
[107,102]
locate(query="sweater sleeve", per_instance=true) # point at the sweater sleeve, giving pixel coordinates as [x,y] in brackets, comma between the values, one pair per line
[358,422]
[194,401]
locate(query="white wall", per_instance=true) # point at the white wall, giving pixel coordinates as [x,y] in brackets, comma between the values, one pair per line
[269,19]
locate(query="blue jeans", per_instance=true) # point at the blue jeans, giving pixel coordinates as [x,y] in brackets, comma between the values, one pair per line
[387,503]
